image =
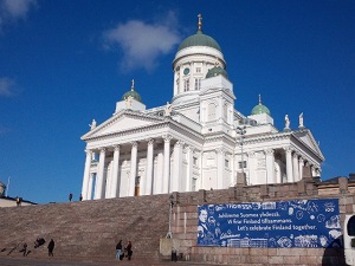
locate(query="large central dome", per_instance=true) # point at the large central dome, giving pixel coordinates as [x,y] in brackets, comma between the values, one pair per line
[198,57]
[199,39]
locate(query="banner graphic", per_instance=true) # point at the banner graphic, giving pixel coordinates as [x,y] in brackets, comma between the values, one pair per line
[281,224]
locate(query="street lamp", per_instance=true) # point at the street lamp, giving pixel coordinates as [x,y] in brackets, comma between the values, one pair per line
[171,206]
[241,132]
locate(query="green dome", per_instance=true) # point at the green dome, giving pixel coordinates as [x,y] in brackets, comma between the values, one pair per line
[260,109]
[199,39]
[132,93]
[216,71]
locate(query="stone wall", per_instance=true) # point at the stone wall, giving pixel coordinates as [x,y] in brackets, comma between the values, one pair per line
[185,218]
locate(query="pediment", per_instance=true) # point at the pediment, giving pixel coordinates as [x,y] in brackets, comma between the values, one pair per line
[122,122]
[306,137]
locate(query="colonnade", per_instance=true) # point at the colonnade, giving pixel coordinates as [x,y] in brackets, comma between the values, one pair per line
[294,165]
[161,173]
[166,165]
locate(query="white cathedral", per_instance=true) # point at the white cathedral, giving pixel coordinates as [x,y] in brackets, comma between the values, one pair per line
[198,141]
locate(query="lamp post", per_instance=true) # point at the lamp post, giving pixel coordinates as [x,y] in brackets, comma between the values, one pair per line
[241,132]
[171,206]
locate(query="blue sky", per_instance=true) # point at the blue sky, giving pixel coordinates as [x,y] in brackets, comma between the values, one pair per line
[65,62]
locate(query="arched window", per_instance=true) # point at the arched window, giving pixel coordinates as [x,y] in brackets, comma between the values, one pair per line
[186,85]
[197,84]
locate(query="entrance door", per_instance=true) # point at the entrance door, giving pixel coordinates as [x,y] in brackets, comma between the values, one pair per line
[137,186]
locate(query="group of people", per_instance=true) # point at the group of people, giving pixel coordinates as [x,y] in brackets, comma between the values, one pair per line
[70,197]
[37,243]
[123,251]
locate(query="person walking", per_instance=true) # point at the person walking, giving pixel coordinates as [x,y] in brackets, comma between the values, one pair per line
[129,250]
[119,251]
[24,249]
[50,248]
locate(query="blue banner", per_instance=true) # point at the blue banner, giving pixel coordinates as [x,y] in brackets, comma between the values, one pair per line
[282,224]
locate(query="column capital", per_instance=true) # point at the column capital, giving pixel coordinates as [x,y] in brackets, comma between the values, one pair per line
[221,151]
[269,151]
[151,141]
[134,144]
[251,154]
[103,149]
[167,138]
[179,143]
[288,149]
[116,147]
[189,148]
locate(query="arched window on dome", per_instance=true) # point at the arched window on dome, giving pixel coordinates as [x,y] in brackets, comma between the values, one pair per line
[186,85]
[197,84]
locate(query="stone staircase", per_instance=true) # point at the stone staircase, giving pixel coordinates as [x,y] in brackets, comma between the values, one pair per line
[87,230]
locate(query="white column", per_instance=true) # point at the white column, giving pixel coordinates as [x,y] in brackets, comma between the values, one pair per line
[158,185]
[114,179]
[295,167]
[166,166]
[148,184]
[100,178]
[289,172]
[270,162]
[86,178]
[300,167]
[133,172]
[190,163]
[92,178]
[177,167]
[220,168]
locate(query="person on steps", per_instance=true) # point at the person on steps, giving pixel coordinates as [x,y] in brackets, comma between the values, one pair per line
[129,250]
[50,248]
[119,252]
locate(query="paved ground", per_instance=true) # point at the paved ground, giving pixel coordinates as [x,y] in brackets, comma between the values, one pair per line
[56,262]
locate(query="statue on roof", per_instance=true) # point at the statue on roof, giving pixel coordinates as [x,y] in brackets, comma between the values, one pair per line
[300,121]
[168,109]
[287,122]
[93,124]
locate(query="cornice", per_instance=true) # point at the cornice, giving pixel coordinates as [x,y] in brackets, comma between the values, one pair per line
[265,138]
[220,137]
[127,132]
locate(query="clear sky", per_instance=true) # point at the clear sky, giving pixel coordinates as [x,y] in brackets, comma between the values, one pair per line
[65,62]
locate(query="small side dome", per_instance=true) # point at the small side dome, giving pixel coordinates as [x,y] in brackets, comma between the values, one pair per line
[216,71]
[260,109]
[132,93]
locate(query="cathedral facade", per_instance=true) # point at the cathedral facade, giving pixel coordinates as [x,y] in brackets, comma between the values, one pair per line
[197,141]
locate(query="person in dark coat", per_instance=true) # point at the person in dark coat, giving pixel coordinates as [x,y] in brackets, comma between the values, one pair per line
[39,242]
[119,251]
[24,249]
[129,250]
[50,248]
